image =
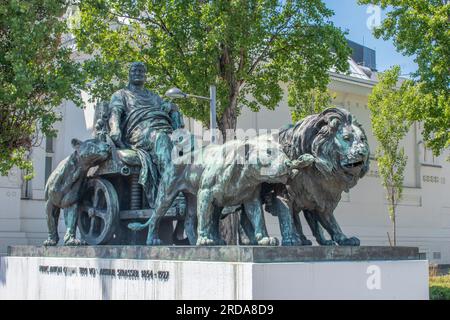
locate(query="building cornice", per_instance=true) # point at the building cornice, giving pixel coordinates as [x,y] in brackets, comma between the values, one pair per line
[352,80]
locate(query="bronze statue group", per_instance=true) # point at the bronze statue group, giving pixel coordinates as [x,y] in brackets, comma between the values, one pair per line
[306,170]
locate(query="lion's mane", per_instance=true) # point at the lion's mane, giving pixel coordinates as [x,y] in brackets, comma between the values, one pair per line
[315,135]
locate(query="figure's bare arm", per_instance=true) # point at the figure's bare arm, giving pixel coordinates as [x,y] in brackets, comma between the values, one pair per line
[303,161]
[116,108]
[114,125]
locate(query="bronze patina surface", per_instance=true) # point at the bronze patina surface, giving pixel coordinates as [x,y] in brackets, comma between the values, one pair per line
[256,254]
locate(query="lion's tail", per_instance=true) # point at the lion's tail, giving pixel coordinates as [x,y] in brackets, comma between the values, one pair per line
[136,226]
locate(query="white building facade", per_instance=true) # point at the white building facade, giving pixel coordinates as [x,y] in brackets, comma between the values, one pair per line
[423,215]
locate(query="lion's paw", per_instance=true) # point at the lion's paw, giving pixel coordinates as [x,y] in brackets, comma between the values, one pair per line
[268,241]
[154,242]
[306,160]
[204,241]
[291,242]
[326,243]
[50,242]
[353,241]
[73,242]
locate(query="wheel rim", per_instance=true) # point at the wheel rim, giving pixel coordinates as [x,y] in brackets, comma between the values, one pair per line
[98,214]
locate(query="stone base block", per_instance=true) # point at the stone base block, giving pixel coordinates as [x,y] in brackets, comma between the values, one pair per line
[32,277]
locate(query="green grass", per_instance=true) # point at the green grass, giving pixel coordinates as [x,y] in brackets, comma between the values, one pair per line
[440,288]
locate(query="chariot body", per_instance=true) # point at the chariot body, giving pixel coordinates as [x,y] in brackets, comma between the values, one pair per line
[113,198]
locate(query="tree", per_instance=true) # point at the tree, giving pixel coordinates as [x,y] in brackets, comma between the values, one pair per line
[36,74]
[247,48]
[422,28]
[388,105]
[314,101]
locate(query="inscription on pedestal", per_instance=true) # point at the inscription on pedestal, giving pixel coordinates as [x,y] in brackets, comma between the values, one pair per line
[131,274]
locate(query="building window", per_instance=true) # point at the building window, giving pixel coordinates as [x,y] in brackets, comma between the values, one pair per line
[49,152]
[49,145]
[427,157]
[48,167]
[26,188]
[26,192]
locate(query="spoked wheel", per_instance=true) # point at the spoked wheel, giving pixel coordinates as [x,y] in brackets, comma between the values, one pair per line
[99,212]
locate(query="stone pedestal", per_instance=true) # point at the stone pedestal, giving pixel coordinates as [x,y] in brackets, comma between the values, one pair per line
[140,272]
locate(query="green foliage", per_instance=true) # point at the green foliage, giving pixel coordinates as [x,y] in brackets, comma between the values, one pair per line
[314,101]
[245,47]
[422,28]
[388,105]
[36,74]
[440,288]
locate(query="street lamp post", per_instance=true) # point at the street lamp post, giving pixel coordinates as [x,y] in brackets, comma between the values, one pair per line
[212,112]
[176,93]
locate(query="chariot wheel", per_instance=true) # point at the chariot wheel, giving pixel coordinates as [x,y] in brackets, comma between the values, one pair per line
[98,213]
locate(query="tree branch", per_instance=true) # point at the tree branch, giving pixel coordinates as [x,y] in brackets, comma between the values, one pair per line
[273,37]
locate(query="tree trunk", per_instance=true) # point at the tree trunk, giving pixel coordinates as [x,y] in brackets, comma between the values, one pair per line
[394,229]
[227,124]
[229,226]
[228,121]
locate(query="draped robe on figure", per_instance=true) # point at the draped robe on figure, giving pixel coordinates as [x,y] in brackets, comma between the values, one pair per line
[144,115]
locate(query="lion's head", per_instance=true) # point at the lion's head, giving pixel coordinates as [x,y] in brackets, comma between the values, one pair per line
[336,139]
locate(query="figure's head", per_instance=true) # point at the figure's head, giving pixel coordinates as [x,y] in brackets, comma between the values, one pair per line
[137,73]
[91,152]
[334,137]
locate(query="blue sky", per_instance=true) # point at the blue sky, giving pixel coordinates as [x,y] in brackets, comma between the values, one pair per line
[353,17]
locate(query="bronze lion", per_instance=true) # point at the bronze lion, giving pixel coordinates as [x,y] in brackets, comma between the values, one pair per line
[339,144]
